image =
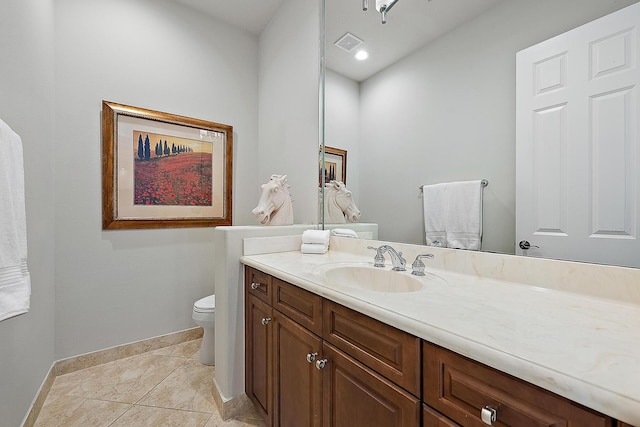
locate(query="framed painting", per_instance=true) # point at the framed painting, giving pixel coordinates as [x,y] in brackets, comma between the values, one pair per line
[335,165]
[161,170]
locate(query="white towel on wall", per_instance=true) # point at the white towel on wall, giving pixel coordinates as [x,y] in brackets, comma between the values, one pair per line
[434,198]
[464,218]
[453,214]
[15,283]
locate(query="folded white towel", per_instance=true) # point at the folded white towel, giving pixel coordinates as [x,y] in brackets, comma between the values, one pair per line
[316,236]
[343,232]
[434,198]
[314,248]
[15,282]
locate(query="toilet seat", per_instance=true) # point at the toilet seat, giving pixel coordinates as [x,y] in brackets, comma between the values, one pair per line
[205,305]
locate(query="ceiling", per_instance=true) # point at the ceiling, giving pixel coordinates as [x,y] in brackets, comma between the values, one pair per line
[410,25]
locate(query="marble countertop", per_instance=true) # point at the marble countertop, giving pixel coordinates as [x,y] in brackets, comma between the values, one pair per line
[584,348]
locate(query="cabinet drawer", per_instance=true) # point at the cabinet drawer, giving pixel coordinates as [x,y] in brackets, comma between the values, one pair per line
[300,305]
[258,283]
[431,418]
[459,388]
[387,350]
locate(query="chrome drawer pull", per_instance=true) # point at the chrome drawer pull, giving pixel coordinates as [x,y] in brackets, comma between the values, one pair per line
[320,363]
[255,285]
[311,357]
[489,414]
[266,320]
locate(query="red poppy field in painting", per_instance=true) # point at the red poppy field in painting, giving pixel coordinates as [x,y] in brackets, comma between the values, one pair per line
[175,180]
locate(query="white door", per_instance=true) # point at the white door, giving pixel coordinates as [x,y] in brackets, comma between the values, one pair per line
[577,143]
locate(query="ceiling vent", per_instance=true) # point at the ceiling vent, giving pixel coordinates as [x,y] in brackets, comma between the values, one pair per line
[348,42]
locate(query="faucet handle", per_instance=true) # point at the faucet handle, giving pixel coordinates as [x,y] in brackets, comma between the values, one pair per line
[418,266]
[378,260]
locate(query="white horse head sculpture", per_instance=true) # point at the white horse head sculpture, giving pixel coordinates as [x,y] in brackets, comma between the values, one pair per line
[274,206]
[339,206]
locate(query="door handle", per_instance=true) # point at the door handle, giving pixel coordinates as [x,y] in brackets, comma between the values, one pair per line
[524,245]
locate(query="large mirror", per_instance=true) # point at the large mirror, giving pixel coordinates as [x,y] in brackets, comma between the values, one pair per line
[435,101]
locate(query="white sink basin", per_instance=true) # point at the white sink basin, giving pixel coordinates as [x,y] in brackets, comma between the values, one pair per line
[373,279]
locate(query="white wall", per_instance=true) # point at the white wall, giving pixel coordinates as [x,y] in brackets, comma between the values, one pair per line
[342,100]
[447,113]
[26,104]
[114,287]
[288,107]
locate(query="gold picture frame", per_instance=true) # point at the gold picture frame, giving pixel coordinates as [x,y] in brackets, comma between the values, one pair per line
[161,170]
[335,165]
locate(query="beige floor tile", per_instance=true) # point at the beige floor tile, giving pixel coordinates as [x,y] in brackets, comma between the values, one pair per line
[144,416]
[71,411]
[125,380]
[187,388]
[186,349]
[216,421]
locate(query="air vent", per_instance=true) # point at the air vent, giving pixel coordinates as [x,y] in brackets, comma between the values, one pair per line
[348,42]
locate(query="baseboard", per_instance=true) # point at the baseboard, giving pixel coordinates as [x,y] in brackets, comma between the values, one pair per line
[230,407]
[75,363]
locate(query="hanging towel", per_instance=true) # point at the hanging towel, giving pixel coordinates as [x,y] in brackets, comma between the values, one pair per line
[464,215]
[15,283]
[434,198]
[453,214]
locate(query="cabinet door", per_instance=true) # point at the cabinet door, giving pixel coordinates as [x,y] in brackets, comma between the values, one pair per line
[431,418]
[355,396]
[298,384]
[258,356]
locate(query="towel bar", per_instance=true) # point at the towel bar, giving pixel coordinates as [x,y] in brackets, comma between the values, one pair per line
[484,183]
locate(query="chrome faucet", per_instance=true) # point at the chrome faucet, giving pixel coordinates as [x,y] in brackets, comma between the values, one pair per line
[397,260]
[417,268]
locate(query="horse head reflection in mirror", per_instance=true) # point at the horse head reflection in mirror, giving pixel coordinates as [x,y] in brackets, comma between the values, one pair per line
[274,206]
[339,206]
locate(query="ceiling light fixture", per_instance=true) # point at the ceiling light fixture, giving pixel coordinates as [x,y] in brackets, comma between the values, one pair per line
[361,55]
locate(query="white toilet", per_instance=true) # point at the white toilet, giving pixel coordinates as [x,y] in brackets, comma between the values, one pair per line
[204,314]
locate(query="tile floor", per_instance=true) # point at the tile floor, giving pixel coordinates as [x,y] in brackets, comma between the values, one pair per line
[166,387]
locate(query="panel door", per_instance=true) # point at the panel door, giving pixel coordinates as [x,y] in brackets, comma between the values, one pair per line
[258,356]
[355,396]
[297,381]
[577,143]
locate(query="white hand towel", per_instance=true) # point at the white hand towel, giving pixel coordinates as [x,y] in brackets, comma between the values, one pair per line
[316,236]
[464,215]
[343,232]
[15,283]
[434,198]
[314,248]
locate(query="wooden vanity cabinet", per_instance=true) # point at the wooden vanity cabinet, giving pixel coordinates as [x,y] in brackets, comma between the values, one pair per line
[284,345]
[460,388]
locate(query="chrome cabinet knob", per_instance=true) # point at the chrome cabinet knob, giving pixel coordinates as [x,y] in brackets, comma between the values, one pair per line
[321,363]
[524,245]
[266,320]
[255,285]
[489,414]
[311,357]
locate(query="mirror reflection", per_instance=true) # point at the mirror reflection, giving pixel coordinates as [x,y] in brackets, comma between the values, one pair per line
[435,102]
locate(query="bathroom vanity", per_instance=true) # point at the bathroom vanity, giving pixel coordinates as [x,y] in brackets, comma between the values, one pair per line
[322,350]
